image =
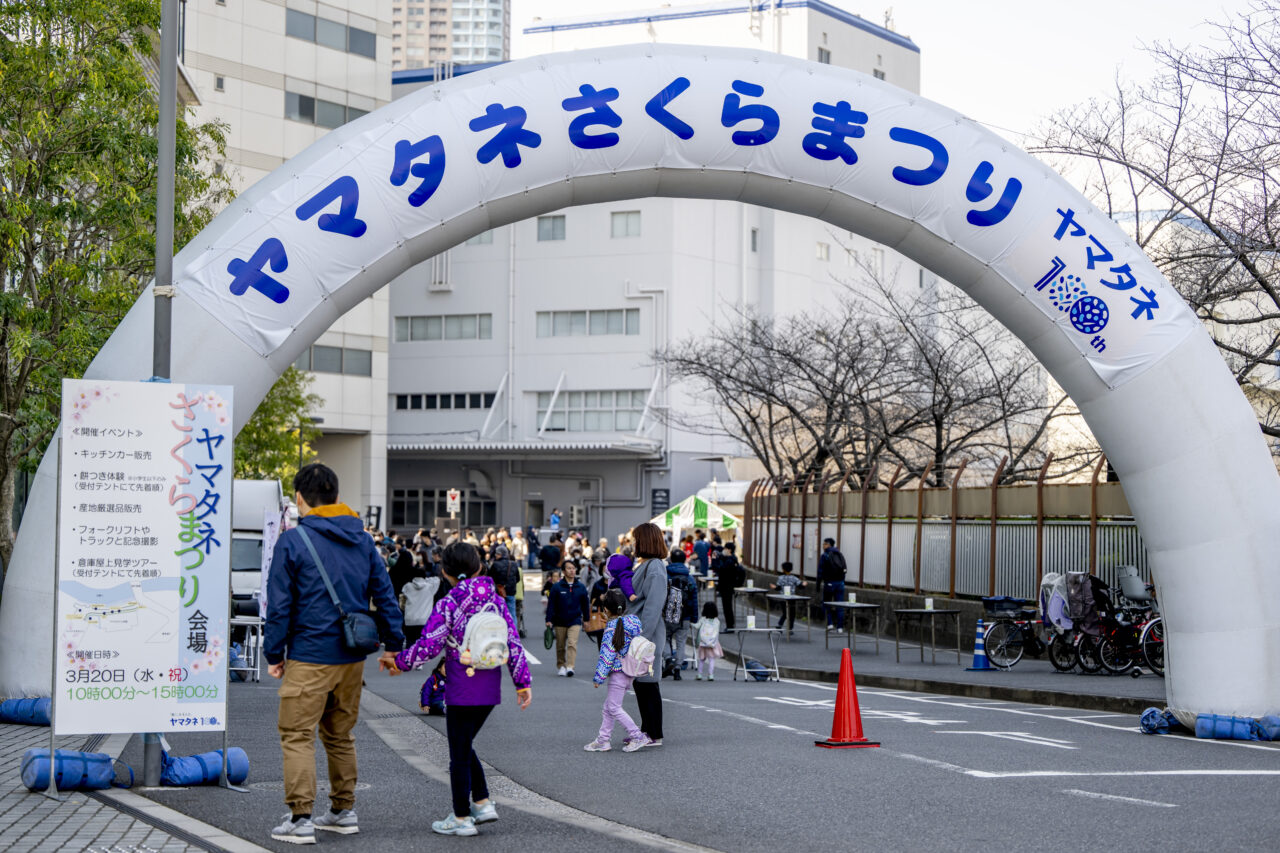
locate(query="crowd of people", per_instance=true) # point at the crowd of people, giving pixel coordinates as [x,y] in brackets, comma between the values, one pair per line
[457,604]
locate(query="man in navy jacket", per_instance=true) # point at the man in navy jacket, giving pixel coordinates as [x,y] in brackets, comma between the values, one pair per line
[567,607]
[304,646]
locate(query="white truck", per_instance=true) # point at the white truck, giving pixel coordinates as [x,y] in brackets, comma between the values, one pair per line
[254,504]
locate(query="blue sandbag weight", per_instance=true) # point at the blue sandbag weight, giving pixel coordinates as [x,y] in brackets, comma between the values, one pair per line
[1223,727]
[204,769]
[76,771]
[26,712]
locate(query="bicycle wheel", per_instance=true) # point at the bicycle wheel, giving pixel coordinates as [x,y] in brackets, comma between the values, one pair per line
[1062,654]
[1087,654]
[1152,643]
[1114,658]
[1004,644]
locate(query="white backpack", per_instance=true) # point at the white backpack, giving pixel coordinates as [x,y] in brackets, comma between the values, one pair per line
[484,641]
[708,632]
[639,657]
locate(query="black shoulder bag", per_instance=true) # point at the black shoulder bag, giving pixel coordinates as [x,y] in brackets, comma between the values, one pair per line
[359,631]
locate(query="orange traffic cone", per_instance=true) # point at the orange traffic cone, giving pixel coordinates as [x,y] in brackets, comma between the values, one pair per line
[846,728]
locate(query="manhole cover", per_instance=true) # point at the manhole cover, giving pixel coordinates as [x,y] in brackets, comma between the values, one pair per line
[321,786]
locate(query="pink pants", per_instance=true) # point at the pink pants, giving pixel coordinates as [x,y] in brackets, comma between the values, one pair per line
[617,685]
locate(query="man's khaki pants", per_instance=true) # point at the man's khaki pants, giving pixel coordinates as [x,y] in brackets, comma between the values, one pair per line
[328,695]
[567,645]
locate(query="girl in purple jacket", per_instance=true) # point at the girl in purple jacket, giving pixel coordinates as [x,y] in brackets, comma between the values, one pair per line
[470,694]
[618,635]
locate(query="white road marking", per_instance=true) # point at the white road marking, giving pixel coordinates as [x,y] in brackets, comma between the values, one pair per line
[1094,795]
[531,659]
[1026,774]
[830,704]
[743,717]
[1020,737]
[1086,720]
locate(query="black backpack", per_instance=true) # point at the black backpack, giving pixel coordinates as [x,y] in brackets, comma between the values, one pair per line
[549,554]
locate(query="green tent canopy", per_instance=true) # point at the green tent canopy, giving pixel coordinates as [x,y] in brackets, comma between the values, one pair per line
[695,513]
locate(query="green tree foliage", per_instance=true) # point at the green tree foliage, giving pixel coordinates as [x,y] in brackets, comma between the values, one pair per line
[78,119]
[270,447]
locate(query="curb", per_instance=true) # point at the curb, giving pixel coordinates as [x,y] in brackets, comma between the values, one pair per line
[1034,696]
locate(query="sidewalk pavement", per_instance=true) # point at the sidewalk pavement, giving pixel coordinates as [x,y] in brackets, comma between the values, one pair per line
[1031,680]
[33,822]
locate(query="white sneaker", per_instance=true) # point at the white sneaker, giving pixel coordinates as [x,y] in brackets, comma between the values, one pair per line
[344,822]
[485,813]
[561,671]
[454,825]
[301,831]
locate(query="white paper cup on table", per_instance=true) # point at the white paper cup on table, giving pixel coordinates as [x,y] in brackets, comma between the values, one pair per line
[750,582]
[751,621]
[928,604]
[853,598]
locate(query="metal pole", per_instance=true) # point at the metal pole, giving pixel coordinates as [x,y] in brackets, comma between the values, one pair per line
[955,504]
[924,478]
[1093,515]
[888,542]
[166,134]
[1044,469]
[862,530]
[995,497]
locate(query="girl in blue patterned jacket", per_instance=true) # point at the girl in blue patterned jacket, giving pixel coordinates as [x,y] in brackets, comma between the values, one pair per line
[617,638]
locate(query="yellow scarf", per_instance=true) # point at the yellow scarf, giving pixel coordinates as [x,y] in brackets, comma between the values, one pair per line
[333,510]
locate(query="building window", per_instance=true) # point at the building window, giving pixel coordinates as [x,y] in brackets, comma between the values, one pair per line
[421,507]
[300,107]
[592,411]
[550,228]
[484,238]
[322,359]
[566,324]
[824,251]
[878,74]
[626,223]
[219,84]
[482,400]
[824,56]
[447,327]
[755,239]
[323,31]
[877,263]
[309,110]
[300,25]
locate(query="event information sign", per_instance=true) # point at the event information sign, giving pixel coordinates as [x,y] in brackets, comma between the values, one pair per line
[144,557]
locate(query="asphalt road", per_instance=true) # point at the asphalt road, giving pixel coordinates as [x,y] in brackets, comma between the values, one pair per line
[739,772]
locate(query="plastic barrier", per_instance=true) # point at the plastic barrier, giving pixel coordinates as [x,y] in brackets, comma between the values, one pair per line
[204,769]
[76,771]
[26,712]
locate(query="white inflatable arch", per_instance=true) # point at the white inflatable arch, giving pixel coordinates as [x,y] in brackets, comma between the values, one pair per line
[388,191]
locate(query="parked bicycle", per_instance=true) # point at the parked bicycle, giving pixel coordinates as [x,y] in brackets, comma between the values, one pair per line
[1015,630]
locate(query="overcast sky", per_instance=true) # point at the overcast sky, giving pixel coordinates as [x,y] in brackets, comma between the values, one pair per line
[1005,63]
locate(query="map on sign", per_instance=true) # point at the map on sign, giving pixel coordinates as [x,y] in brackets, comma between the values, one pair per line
[124,607]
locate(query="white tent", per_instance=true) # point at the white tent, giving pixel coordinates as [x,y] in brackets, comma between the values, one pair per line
[695,513]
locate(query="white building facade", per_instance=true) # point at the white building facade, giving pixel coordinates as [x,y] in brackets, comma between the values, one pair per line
[521,363]
[281,75]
